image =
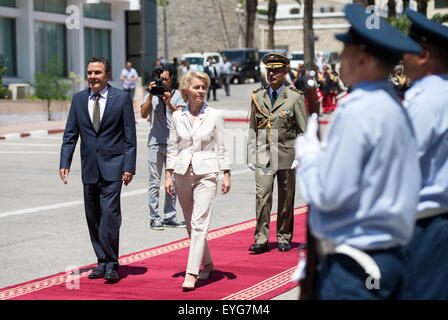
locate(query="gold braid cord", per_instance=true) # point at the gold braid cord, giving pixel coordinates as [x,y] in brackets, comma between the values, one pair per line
[267,122]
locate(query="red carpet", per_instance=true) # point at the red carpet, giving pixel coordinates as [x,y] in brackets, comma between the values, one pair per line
[158,273]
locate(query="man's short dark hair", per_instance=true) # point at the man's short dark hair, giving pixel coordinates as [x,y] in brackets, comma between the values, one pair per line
[104,61]
[166,68]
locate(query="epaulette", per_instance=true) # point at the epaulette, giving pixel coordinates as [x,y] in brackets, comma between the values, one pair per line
[296,90]
[258,89]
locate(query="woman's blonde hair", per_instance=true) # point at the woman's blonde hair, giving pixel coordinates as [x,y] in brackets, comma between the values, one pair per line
[186,78]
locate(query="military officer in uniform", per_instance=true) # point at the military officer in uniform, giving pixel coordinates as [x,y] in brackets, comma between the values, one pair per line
[426,102]
[362,181]
[278,115]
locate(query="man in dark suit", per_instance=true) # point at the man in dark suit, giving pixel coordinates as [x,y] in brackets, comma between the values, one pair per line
[104,118]
[211,71]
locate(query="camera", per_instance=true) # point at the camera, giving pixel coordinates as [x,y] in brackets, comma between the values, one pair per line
[158,89]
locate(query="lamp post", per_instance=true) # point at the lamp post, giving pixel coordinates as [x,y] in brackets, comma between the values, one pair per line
[239,11]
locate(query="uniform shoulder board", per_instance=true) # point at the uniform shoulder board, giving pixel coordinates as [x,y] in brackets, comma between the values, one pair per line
[296,90]
[258,90]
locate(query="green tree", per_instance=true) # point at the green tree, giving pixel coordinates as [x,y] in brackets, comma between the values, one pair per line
[3,90]
[48,86]
[401,23]
[439,18]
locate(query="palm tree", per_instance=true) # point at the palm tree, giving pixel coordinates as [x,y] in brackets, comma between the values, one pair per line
[308,34]
[251,10]
[272,11]
[364,3]
[405,5]
[422,6]
[391,9]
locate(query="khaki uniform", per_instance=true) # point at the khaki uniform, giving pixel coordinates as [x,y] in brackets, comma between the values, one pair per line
[272,134]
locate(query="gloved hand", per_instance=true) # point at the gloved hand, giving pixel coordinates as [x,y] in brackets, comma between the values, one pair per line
[251,166]
[309,142]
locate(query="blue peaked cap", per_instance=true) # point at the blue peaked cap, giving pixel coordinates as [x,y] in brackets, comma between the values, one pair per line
[380,39]
[427,31]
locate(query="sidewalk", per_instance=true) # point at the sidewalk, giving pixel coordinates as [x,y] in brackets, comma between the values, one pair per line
[27,129]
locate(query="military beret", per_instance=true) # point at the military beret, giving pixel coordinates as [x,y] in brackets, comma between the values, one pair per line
[428,31]
[274,60]
[381,39]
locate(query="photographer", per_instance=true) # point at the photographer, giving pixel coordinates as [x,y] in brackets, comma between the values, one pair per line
[159,103]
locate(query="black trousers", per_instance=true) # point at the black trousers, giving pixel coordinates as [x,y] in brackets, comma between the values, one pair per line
[103,214]
[213,86]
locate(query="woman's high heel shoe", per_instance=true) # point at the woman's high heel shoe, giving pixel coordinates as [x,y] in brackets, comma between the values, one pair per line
[206,272]
[189,282]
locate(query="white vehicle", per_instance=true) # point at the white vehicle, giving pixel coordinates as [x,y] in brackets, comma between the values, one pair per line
[295,58]
[198,60]
[327,58]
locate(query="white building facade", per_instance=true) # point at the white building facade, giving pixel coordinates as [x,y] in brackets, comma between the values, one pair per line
[32,32]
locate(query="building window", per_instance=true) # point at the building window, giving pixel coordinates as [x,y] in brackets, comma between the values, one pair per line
[49,42]
[54,6]
[97,11]
[439,4]
[8,3]
[8,45]
[96,44]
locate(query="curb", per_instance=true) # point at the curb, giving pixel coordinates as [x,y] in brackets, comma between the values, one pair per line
[31,133]
[139,121]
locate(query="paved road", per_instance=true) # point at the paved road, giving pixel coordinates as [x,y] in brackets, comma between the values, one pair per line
[43,228]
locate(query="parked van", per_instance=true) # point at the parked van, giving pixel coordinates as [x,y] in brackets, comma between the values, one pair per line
[198,60]
[295,58]
[245,63]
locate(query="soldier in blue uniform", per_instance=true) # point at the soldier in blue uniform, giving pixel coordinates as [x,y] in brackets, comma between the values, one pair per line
[427,104]
[362,181]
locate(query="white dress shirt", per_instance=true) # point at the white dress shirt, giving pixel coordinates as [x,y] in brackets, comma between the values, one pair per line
[102,100]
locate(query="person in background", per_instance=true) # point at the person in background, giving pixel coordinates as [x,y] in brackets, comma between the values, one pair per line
[213,74]
[427,105]
[129,76]
[225,70]
[196,154]
[362,181]
[174,71]
[160,109]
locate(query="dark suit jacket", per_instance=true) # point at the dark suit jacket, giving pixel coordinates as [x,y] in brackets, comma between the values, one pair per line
[210,74]
[111,150]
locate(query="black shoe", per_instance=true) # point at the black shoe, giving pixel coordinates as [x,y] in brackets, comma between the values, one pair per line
[97,274]
[283,247]
[174,224]
[157,225]
[259,247]
[111,276]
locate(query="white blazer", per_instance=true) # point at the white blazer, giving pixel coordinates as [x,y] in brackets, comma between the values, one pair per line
[203,147]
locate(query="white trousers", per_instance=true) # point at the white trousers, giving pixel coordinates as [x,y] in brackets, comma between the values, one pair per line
[196,195]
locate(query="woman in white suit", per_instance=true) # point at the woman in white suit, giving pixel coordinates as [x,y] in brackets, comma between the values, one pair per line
[196,154]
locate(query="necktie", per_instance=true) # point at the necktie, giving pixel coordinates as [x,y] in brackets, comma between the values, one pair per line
[96,112]
[274,97]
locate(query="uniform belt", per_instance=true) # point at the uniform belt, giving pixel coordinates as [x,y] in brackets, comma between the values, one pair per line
[427,213]
[326,247]
[361,257]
